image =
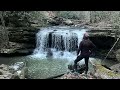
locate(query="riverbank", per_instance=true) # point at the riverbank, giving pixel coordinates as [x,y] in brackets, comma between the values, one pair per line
[100,72]
[16,71]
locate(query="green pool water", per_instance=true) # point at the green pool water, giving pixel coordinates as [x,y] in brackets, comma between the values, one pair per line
[39,68]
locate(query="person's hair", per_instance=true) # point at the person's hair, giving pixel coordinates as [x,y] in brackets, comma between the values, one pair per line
[86,36]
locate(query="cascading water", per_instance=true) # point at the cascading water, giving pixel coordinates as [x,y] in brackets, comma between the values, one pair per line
[62,41]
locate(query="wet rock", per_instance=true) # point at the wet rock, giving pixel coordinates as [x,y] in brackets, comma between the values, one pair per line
[49,53]
[8,51]
[80,68]
[16,71]
[100,73]
[15,52]
[17,66]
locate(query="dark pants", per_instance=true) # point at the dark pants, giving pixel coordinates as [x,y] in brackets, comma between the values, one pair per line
[86,58]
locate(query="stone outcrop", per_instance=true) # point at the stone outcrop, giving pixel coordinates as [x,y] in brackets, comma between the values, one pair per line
[116,68]
[98,71]
[16,71]
[60,21]
[17,49]
[23,35]
[102,72]
[68,22]
[22,41]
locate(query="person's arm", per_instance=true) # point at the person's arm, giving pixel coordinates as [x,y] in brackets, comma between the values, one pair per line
[79,48]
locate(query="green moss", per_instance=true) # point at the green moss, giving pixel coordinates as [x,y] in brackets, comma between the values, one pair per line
[107,72]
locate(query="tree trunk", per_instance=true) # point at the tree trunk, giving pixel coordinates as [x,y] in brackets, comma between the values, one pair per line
[4,33]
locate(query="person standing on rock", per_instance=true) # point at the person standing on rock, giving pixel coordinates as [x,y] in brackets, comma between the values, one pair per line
[86,47]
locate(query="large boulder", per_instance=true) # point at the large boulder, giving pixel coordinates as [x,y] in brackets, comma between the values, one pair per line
[16,71]
[10,72]
[102,72]
[15,52]
[55,21]
[19,69]
[22,41]
[116,68]
[67,22]
[80,68]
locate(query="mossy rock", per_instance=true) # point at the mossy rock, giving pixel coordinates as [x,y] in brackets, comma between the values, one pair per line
[104,73]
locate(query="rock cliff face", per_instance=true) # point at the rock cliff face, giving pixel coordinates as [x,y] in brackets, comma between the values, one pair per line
[22,41]
[23,35]
[101,36]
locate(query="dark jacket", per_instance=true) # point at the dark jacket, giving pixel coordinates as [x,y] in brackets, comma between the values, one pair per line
[86,47]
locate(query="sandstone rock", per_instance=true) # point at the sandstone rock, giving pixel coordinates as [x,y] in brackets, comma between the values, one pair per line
[7,51]
[16,52]
[23,37]
[68,22]
[16,71]
[116,68]
[17,66]
[104,73]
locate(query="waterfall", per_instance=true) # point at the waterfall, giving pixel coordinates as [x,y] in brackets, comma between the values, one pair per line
[61,41]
